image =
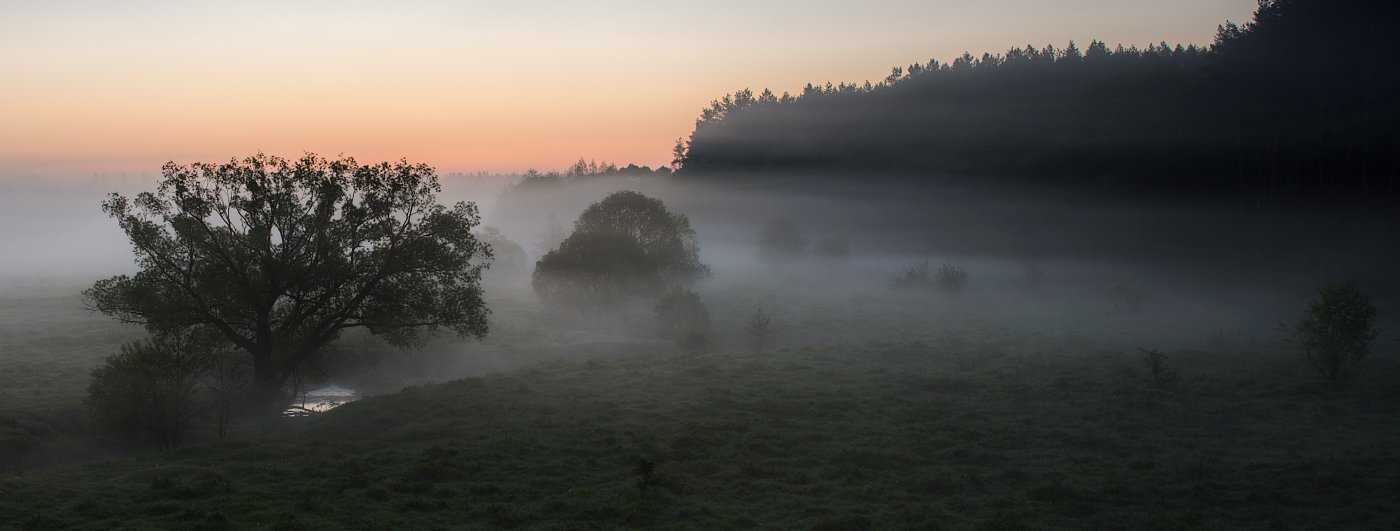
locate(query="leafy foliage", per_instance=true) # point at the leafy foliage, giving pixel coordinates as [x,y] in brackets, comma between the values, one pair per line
[666,238]
[148,389]
[1338,330]
[1301,90]
[917,276]
[624,247]
[951,279]
[597,271]
[281,256]
[760,329]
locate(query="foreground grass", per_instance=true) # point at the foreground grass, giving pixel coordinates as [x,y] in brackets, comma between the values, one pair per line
[878,435]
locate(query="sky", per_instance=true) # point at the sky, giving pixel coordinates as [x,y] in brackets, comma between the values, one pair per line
[100,87]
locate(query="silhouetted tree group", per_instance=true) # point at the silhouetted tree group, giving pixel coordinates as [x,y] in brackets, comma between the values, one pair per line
[1300,101]
[626,247]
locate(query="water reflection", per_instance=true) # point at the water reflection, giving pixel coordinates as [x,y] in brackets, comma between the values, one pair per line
[321,400]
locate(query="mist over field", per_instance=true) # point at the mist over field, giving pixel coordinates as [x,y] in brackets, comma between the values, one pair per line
[1086,285]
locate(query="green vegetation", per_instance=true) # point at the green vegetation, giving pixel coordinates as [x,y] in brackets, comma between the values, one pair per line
[48,347]
[760,329]
[952,279]
[281,257]
[882,412]
[1288,106]
[1337,331]
[878,435]
[148,389]
[626,247]
[917,276]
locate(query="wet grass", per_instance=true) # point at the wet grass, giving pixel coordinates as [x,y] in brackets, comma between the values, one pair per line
[877,435]
[879,410]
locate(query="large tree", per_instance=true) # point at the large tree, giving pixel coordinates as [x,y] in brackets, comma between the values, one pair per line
[625,247]
[281,256]
[666,237]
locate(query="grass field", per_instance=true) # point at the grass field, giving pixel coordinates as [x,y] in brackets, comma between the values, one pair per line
[878,410]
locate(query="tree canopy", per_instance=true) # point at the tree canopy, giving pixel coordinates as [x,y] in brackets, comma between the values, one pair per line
[666,238]
[626,246]
[281,256]
[1295,103]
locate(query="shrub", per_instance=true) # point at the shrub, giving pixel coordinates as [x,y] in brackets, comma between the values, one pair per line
[226,378]
[1163,375]
[951,279]
[1337,330]
[916,276]
[148,389]
[760,328]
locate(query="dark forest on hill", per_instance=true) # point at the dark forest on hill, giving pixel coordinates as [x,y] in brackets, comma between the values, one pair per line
[1298,103]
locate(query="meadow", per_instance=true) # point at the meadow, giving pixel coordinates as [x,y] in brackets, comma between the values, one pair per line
[997,408]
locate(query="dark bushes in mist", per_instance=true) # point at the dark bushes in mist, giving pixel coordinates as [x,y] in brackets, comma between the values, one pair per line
[952,279]
[595,271]
[1337,331]
[917,276]
[760,331]
[949,278]
[147,391]
[625,247]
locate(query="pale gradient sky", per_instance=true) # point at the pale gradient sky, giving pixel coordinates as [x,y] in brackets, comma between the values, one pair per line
[107,87]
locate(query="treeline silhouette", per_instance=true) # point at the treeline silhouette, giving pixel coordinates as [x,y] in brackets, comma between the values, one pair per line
[1298,103]
[583,170]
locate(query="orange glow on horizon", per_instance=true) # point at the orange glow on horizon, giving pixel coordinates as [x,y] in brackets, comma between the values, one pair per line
[93,87]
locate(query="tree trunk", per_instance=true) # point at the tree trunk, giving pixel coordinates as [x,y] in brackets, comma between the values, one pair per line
[266,393]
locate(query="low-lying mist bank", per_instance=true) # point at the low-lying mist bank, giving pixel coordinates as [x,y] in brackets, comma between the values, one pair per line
[1292,248]
[1206,283]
